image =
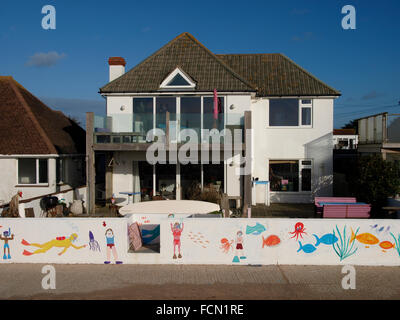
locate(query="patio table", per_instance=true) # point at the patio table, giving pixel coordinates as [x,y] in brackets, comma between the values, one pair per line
[128,193]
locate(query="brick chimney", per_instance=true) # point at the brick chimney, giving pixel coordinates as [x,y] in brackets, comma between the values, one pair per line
[117,67]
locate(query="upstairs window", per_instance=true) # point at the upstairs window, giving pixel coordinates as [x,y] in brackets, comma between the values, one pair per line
[283,112]
[178,79]
[290,112]
[306,112]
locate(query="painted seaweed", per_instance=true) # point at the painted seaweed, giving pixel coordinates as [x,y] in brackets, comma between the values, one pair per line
[343,248]
[397,241]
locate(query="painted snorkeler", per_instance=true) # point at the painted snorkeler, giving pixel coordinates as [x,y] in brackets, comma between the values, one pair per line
[59,242]
[111,247]
[6,238]
[176,232]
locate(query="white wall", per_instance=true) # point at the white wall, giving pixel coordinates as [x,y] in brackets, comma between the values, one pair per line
[9,181]
[122,120]
[294,143]
[44,230]
[201,241]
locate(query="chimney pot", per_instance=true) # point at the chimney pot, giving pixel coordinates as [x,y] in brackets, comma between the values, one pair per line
[117,67]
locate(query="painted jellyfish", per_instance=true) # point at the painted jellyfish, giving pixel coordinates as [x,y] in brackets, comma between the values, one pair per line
[93,244]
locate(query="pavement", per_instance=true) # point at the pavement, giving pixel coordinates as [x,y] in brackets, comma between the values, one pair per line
[170,282]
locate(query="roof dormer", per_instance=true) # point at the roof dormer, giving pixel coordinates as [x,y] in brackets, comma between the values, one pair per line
[177,79]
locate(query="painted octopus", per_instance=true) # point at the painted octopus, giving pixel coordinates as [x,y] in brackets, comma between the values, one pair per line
[298,231]
[226,245]
[93,244]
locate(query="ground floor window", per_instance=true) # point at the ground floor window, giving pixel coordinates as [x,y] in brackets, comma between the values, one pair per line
[290,175]
[167,181]
[33,171]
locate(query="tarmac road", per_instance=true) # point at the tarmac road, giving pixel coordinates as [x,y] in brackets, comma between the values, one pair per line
[23,281]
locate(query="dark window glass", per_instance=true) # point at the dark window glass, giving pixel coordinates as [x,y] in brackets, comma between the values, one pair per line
[26,171]
[209,121]
[43,171]
[178,80]
[213,177]
[306,116]
[284,175]
[142,115]
[306,101]
[283,112]
[191,114]
[306,179]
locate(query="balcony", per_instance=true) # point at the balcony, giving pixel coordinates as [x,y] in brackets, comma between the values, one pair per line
[380,129]
[133,131]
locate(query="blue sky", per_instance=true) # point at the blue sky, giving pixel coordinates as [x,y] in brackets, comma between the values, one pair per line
[66,67]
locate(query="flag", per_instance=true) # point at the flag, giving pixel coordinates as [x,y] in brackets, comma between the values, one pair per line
[215,105]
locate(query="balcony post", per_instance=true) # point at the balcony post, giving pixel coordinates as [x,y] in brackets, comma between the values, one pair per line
[90,168]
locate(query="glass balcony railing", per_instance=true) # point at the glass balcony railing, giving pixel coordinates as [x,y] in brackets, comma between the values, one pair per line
[179,128]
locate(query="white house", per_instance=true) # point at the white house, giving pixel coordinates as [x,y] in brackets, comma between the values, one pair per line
[41,150]
[289,111]
[345,139]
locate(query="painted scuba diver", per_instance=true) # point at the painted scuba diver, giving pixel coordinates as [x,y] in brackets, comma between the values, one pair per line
[59,242]
[6,237]
[111,247]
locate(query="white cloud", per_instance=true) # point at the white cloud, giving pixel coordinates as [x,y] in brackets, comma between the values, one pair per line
[42,59]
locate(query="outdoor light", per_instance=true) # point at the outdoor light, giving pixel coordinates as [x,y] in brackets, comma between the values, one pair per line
[232,107]
[122,108]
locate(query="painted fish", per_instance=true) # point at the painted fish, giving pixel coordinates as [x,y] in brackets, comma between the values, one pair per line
[366,238]
[381,229]
[308,248]
[255,230]
[327,239]
[386,245]
[270,241]
[374,226]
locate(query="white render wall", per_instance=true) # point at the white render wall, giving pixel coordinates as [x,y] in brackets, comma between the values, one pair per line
[268,143]
[202,241]
[294,144]
[9,181]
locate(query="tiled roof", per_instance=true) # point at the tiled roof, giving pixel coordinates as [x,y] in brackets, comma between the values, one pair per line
[185,52]
[265,74]
[344,132]
[275,74]
[28,126]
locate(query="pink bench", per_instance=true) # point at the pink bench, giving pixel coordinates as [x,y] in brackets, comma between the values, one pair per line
[346,211]
[319,208]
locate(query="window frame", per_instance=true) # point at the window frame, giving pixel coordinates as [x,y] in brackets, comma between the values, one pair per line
[165,83]
[305,106]
[301,167]
[301,105]
[37,173]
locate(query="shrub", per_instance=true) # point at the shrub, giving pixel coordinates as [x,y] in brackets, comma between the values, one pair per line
[375,180]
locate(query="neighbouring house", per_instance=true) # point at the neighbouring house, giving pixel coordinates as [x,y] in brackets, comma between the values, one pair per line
[380,133]
[345,139]
[289,112]
[41,150]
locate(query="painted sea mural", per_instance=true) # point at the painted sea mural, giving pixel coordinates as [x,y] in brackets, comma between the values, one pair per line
[236,241]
